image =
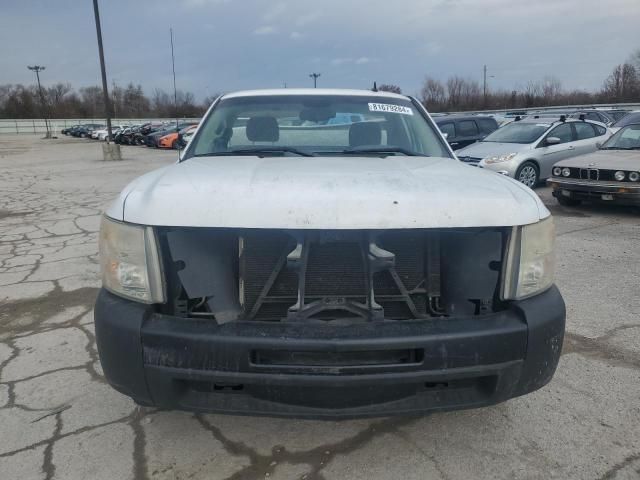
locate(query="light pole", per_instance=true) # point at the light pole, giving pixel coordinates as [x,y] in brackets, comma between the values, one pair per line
[315,78]
[38,69]
[107,105]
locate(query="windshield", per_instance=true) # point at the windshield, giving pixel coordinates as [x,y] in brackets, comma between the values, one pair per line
[628,119]
[518,132]
[627,138]
[317,125]
[617,115]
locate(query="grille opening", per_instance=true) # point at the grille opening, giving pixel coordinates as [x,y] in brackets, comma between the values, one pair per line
[211,387]
[331,276]
[476,389]
[436,385]
[485,385]
[336,359]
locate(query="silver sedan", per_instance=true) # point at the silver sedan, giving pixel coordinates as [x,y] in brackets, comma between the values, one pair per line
[528,149]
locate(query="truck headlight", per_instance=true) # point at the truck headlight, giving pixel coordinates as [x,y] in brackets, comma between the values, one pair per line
[499,158]
[530,264]
[130,262]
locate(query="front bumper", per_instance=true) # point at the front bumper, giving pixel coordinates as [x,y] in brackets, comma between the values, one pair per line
[622,193]
[504,168]
[313,370]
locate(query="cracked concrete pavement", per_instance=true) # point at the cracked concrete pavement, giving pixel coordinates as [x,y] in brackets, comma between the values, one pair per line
[60,420]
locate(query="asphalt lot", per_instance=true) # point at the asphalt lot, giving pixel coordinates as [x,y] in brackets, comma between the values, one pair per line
[58,418]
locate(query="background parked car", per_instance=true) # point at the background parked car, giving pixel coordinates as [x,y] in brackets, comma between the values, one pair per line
[152,139]
[628,119]
[527,149]
[140,134]
[595,115]
[129,137]
[464,130]
[84,131]
[67,130]
[616,114]
[187,136]
[119,136]
[611,174]
[173,139]
[102,134]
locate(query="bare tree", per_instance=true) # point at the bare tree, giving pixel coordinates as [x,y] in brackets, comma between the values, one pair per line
[209,100]
[56,98]
[455,86]
[471,94]
[91,102]
[432,94]
[634,59]
[161,103]
[134,102]
[385,87]
[623,84]
[550,90]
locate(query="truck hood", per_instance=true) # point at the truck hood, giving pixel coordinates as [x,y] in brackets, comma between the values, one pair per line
[326,193]
[488,149]
[605,160]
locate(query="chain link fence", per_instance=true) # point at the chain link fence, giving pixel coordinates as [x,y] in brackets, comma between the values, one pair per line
[38,127]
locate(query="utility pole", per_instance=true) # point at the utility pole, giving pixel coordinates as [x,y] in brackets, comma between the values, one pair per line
[107,105]
[315,79]
[38,69]
[484,85]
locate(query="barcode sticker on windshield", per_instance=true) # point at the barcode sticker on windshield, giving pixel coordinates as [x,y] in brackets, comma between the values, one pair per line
[389,108]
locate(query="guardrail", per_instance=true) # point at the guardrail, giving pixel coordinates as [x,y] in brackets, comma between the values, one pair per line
[38,127]
[599,106]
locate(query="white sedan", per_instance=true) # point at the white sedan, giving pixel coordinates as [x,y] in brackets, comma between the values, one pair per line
[102,133]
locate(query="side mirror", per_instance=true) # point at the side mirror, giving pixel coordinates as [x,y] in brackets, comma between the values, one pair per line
[598,145]
[553,141]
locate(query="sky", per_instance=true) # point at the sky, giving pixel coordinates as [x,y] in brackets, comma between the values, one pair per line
[226,45]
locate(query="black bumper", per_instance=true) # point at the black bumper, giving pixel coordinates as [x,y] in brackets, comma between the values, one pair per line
[623,194]
[321,371]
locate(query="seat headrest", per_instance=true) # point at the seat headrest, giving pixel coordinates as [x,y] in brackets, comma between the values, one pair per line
[365,133]
[263,129]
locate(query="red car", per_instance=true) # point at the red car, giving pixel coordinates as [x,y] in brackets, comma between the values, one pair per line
[171,140]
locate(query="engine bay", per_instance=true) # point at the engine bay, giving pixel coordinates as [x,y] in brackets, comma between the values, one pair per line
[228,275]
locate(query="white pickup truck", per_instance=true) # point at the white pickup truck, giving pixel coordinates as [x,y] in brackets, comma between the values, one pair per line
[323,254]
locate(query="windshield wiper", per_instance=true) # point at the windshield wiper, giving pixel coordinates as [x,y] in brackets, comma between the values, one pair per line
[257,151]
[404,151]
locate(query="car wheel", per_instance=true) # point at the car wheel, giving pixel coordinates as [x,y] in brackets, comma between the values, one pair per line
[528,174]
[568,202]
[174,144]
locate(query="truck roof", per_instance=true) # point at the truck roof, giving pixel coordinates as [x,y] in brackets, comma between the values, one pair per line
[313,91]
